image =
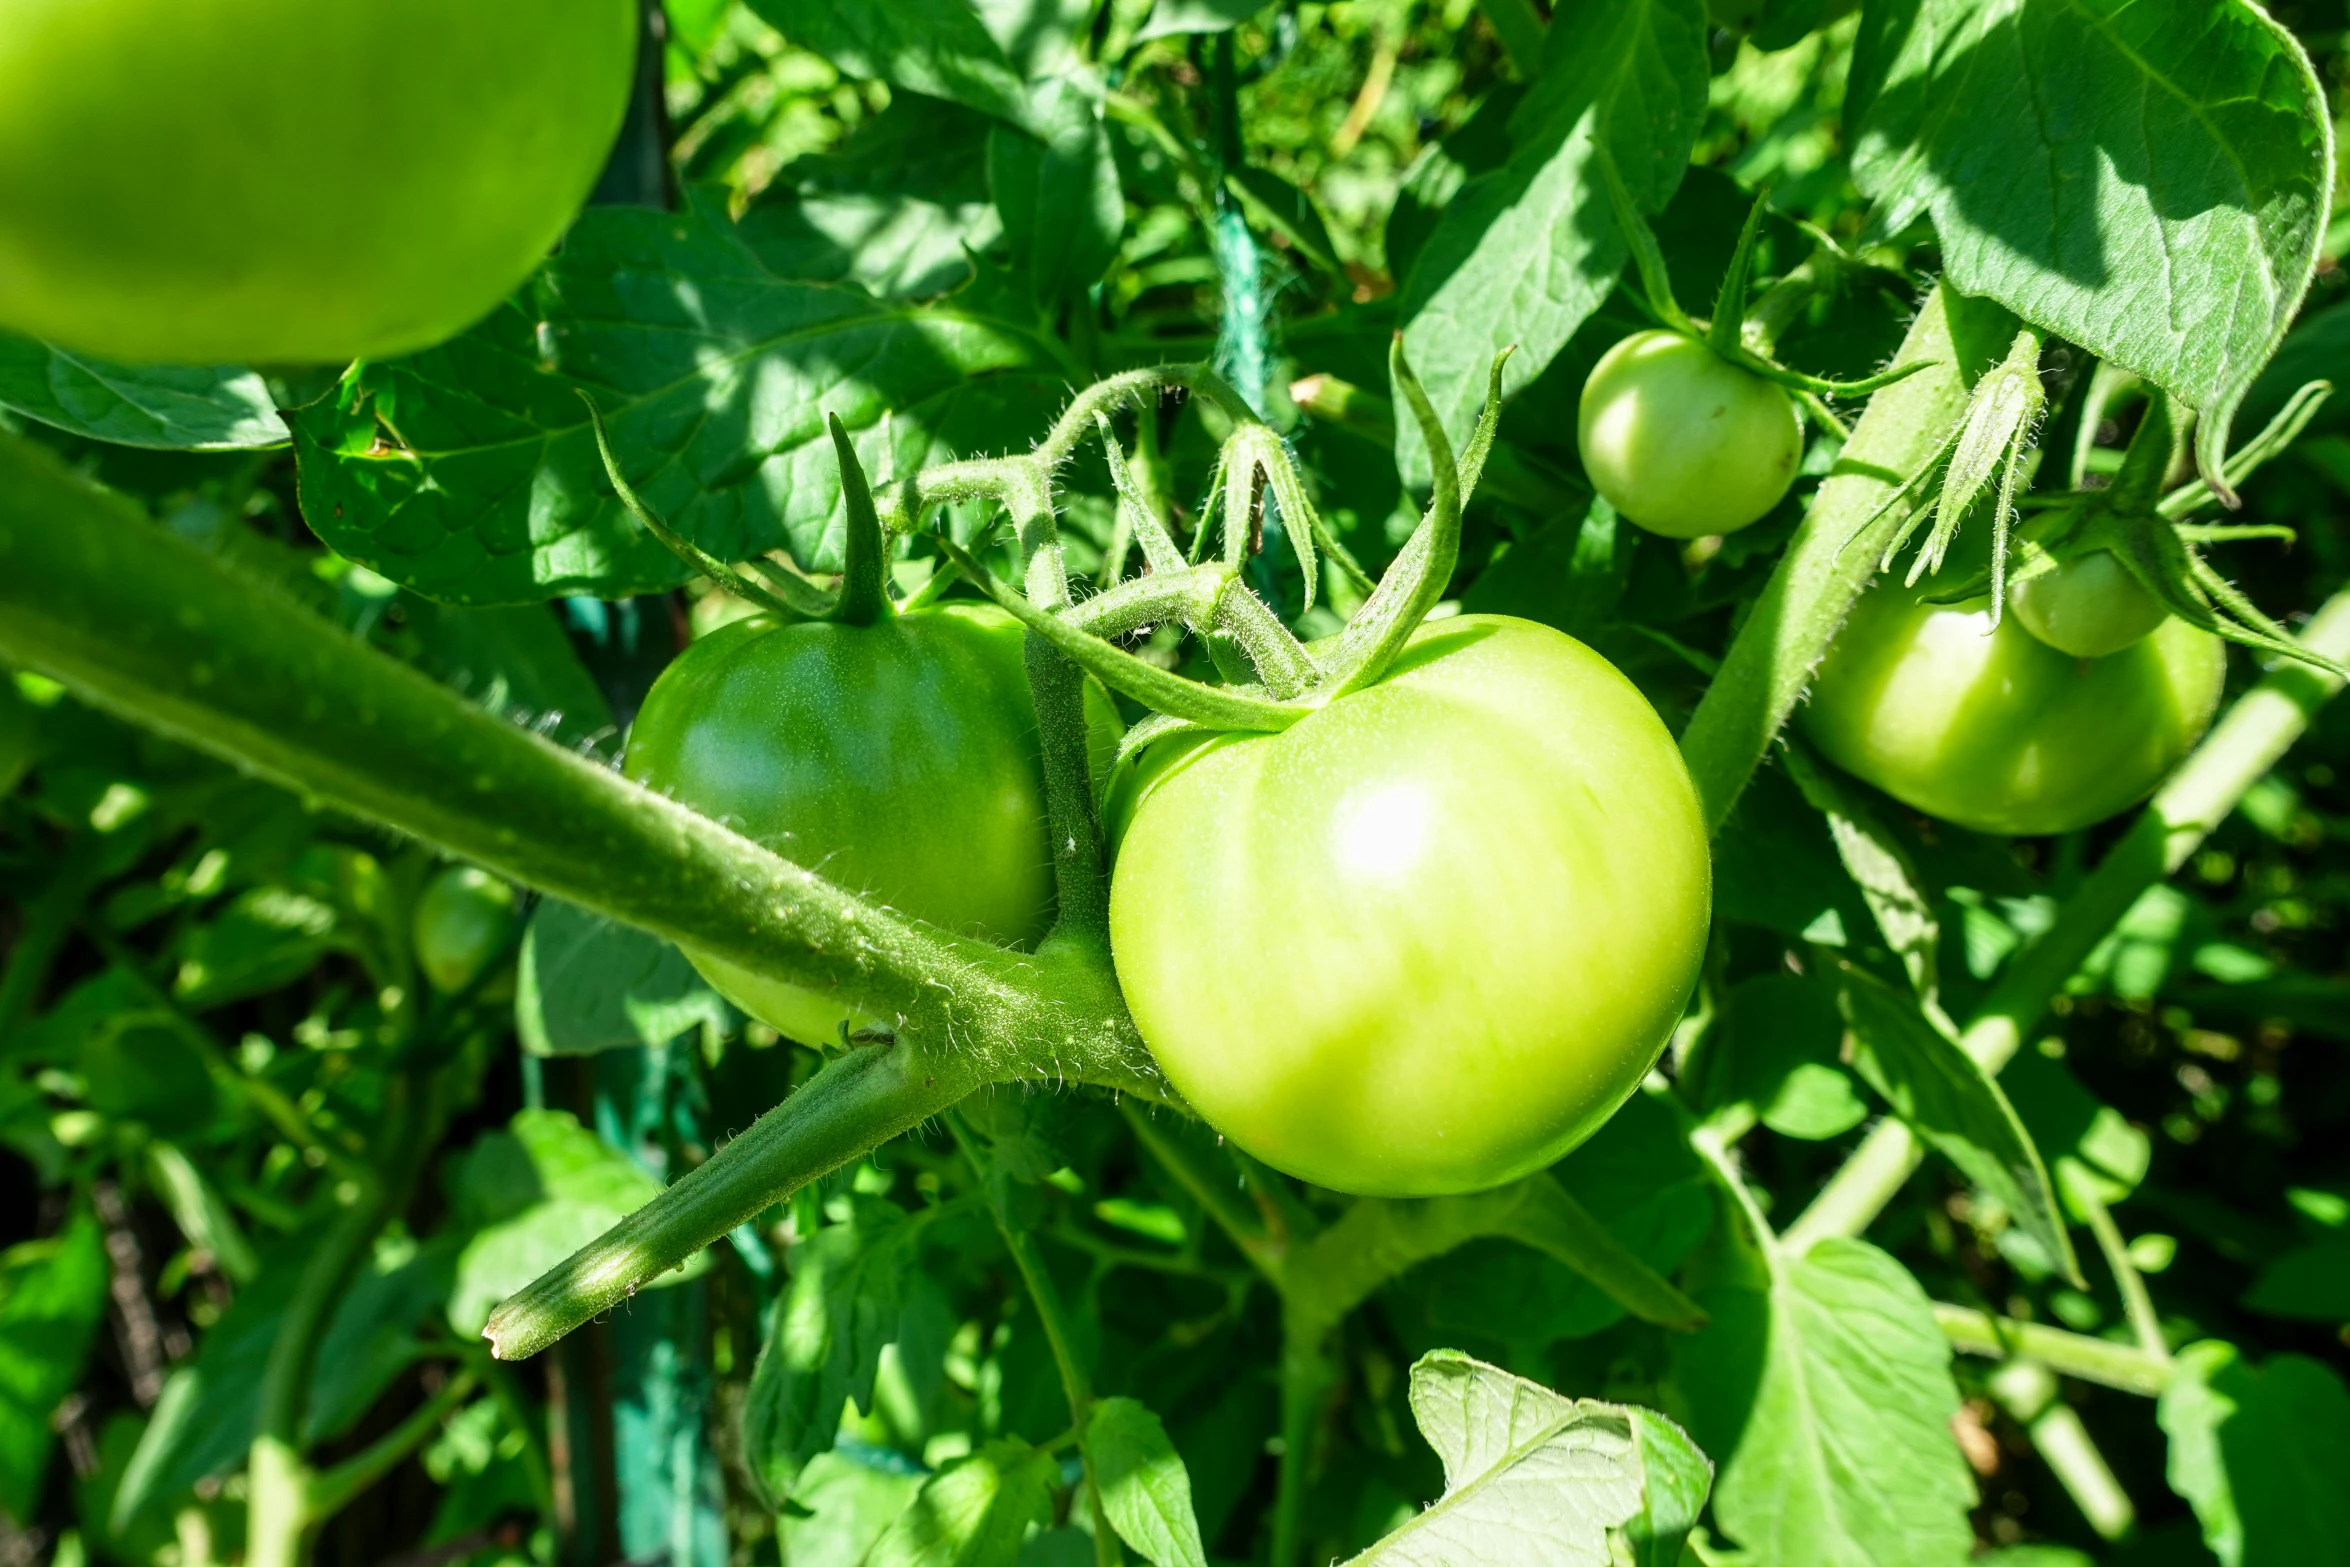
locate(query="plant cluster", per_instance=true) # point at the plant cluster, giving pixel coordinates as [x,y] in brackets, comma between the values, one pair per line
[1092,794]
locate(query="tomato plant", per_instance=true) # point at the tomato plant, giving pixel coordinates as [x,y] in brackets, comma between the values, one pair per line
[1429,939]
[1683,442]
[1996,730]
[289,185]
[1062,539]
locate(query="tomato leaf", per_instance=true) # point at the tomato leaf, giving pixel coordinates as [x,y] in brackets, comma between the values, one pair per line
[1145,1489]
[2259,1453]
[844,1305]
[171,407]
[534,1194]
[588,984]
[52,1295]
[1531,1476]
[973,1513]
[470,473]
[1950,1101]
[1827,1396]
[1058,193]
[894,209]
[2169,221]
[1523,254]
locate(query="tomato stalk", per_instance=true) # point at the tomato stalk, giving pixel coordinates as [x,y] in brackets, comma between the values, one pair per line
[2240,750]
[1826,566]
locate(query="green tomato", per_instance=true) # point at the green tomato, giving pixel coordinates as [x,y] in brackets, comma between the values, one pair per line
[1683,442]
[287,181]
[463,922]
[2089,606]
[899,760]
[1995,730]
[1430,938]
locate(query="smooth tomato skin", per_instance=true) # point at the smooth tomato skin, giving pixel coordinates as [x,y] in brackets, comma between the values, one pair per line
[1684,443]
[2089,606]
[462,923]
[285,181]
[1997,731]
[899,760]
[1429,939]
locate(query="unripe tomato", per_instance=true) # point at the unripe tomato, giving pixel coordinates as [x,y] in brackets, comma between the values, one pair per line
[463,922]
[1683,442]
[1430,938]
[291,181]
[899,760]
[1996,730]
[2089,606]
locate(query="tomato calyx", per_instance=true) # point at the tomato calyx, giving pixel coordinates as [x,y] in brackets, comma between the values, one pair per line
[1733,333]
[2047,570]
[1273,680]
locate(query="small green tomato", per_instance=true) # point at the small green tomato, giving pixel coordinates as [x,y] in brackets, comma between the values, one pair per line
[1683,442]
[463,922]
[2089,606]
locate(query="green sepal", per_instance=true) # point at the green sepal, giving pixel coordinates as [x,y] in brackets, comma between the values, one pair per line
[1160,690]
[1726,334]
[1423,568]
[1160,552]
[2282,432]
[864,587]
[708,565]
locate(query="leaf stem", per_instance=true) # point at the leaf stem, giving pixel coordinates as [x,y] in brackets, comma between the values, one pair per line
[2119,1366]
[1801,609]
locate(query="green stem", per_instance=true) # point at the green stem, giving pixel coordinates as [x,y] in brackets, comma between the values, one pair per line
[1825,567]
[279,1508]
[2137,1304]
[332,1490]
[1308,1373]
[856,1103]
[2121,1366]
[2238,753]
[144,624]
[1216,1198]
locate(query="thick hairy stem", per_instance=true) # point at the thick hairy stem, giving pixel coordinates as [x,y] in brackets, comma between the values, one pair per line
[1081,877]
[145,624]
[1788,633]
[2257,731]
[856,1103]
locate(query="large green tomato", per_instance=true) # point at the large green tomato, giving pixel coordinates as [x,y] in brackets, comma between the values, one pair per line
[292,180]
[1430,938]
[1683,442]
[463,922]
[900,760]
[1996,730]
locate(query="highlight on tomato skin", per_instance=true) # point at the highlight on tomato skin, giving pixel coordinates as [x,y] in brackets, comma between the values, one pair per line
[1681,441]
[1993,729]
[1430,938]
[286,182]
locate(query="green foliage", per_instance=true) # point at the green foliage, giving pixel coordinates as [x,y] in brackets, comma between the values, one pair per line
[963,1283]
